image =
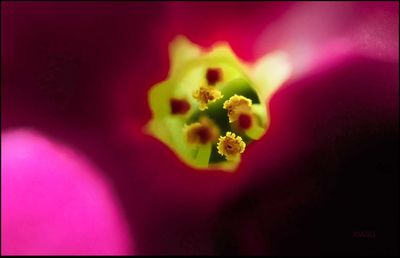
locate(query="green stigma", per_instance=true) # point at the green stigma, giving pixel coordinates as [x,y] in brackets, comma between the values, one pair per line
[213,106]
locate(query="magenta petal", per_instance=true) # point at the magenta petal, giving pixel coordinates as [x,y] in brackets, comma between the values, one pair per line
[326,169]
[309,31]
[353,93]
[54,201]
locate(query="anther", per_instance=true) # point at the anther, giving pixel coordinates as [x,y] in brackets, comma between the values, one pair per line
[231,146]
[206,95]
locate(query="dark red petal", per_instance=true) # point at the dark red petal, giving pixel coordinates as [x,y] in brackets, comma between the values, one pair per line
[329,160]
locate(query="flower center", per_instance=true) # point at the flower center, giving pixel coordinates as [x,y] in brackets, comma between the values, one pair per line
[213,104]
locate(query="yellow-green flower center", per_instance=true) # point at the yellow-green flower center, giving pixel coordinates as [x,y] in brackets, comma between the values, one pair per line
[212,106]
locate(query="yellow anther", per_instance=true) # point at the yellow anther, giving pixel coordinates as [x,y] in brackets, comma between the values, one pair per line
[205,95]
[237,105]
[202,132]
[231,146]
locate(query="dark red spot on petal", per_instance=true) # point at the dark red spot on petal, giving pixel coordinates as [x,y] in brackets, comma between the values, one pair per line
[179,106]
[244,121]
[204,134]
[213,75]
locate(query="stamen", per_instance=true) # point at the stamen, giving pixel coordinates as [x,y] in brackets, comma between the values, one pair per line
[231,146]
[206,95]
[179,106]
[202,132]
[213,75]
[237,105]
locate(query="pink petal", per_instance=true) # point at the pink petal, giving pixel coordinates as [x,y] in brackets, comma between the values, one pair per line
[55,202]
[311,31]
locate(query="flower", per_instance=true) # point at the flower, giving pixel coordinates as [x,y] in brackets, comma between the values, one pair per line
[80,73]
